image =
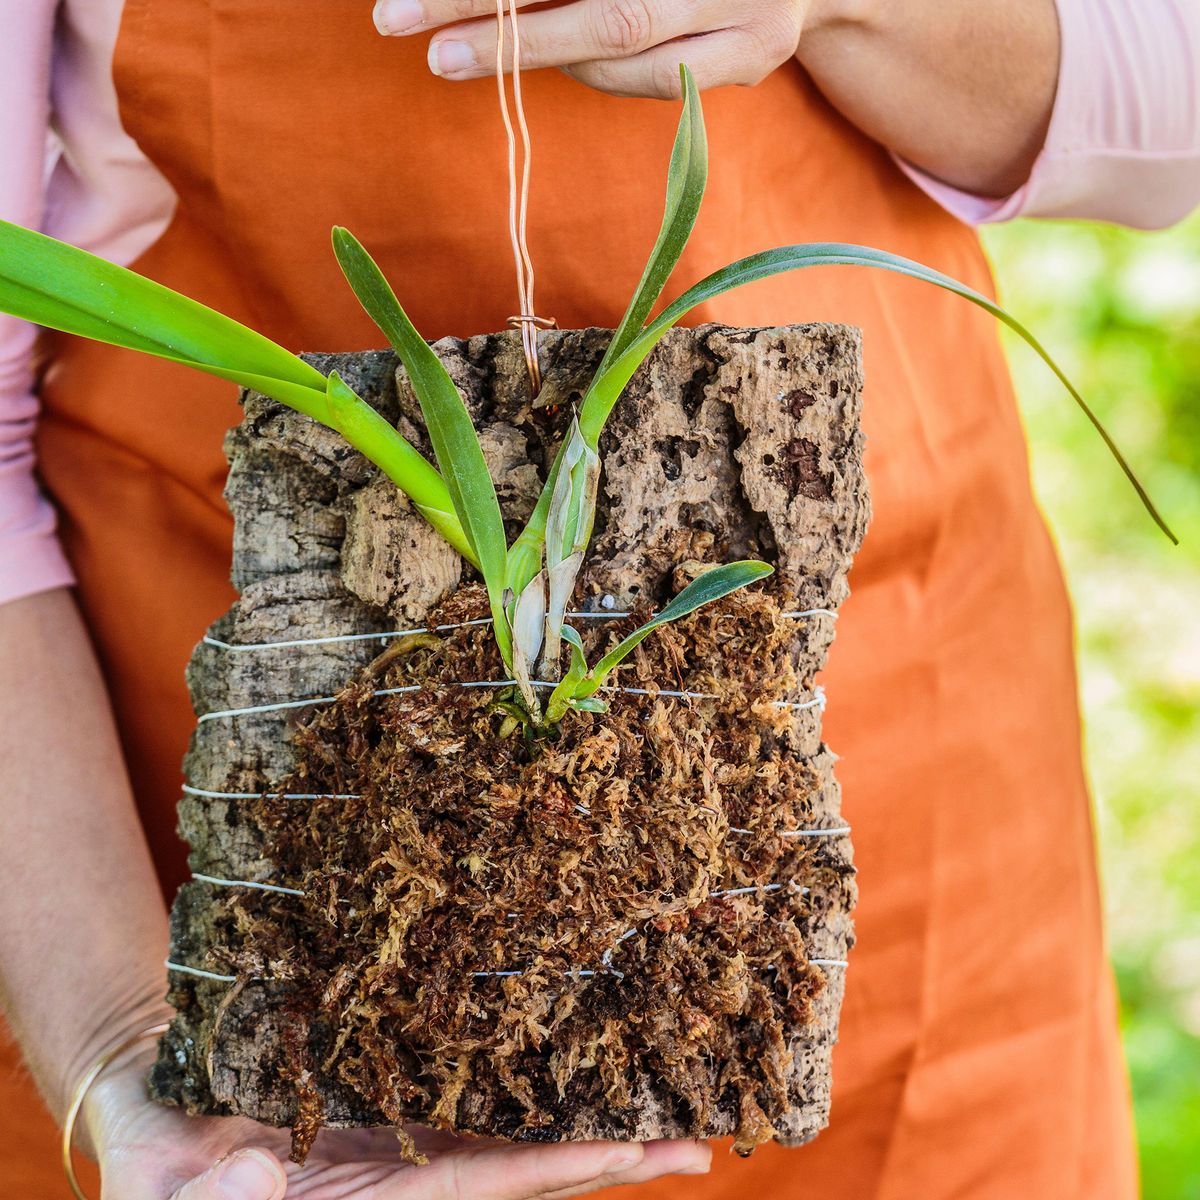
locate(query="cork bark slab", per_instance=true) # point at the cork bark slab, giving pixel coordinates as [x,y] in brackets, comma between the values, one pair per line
[729,443]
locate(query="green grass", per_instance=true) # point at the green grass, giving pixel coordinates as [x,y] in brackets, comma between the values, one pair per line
[1121,311]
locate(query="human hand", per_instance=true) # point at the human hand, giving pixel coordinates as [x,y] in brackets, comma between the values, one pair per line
[149,1152]
[626,47]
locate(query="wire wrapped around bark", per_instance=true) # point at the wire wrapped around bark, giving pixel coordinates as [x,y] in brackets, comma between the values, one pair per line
[730,443]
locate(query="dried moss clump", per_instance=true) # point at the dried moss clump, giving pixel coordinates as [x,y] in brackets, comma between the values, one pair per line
[496,932]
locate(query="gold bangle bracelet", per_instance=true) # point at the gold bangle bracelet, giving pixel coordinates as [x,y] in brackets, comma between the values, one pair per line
[80,1094]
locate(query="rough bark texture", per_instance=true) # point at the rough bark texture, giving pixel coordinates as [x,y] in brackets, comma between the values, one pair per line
[729,443]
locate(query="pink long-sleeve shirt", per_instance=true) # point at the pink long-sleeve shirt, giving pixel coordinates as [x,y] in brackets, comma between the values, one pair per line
[1123,145]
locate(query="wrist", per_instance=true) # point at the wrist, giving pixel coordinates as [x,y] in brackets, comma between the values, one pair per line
[118,1020]
[115,1093]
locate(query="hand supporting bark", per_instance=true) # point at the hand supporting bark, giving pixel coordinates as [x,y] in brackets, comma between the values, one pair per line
[83,935]
[962,89]
[148,1152]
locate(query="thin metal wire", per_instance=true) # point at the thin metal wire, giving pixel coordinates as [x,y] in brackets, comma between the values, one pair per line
[199,973]
[282,705]
[388,634]
[582,809]
[817,701]
[606,958]
[836,831]
[219,881]
[385,635]
[246,883]
[211,795]
[518,195]
[749,891]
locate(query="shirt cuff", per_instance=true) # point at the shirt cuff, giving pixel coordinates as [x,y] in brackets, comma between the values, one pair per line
[31,559]
[31,563]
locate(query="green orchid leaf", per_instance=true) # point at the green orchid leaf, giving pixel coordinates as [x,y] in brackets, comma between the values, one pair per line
[687,176]
[561,697]
[592,704]
[572,499]
[608,384]
[704,589]
[400,461]
[686,180]
[451,431]
[571,635]
[62,287]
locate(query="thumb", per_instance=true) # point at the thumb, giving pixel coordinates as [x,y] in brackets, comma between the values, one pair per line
[246,1175]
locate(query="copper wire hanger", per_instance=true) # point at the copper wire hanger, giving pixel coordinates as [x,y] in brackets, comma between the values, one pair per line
[518,197]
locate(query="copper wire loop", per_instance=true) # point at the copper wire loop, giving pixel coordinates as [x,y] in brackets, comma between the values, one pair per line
[540,322]
[518,194]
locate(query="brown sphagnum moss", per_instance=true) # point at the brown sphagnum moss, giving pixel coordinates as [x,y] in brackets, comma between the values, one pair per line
[499,928]
[352,997]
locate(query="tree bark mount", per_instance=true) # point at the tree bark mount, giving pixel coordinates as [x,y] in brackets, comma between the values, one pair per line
[728,443]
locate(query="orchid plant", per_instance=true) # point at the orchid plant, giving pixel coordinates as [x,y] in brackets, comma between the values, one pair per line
[529,584]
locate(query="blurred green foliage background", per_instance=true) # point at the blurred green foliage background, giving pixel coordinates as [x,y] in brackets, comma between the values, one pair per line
[1121,311]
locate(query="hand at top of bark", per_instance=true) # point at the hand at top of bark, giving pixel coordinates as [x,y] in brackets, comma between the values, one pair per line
[626,47]
[149,1152]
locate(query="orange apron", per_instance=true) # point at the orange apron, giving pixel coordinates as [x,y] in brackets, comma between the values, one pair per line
[979,1053]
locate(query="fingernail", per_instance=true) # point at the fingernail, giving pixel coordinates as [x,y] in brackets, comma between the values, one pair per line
[398,16]
[448,58]
[248,1175]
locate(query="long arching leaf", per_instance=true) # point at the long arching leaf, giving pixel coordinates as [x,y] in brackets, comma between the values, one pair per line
[687,176]
[451,431]
[62,287]
[608,384]
[54,284]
